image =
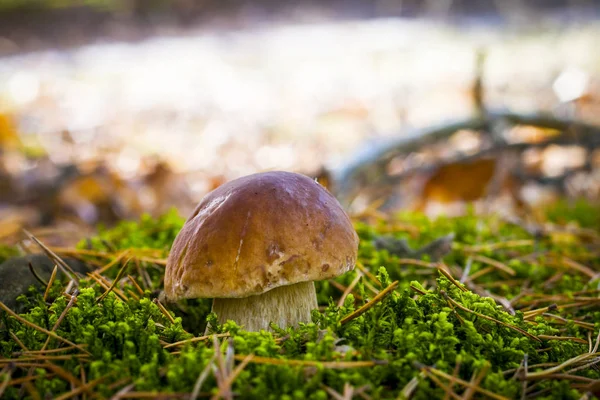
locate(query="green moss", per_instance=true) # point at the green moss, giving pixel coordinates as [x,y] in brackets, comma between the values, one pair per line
[7,252]
[416,324]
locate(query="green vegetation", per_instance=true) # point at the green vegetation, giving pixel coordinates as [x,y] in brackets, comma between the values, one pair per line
[409,342]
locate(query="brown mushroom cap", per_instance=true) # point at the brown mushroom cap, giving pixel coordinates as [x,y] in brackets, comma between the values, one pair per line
[257,233]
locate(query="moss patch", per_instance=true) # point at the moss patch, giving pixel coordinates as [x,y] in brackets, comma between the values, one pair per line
[409,342]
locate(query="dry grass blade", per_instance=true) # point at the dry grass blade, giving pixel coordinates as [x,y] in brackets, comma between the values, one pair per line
[494,263]
[64,374]
[115,281]
[370,304]
[6,373]
[515,328]
[59,320]
[444,270]
[40,329]
[66,269]
[19,381]
[310,363]
[367,273]
[563,338]
[83,388]
[154,395]
[480,273]
[41,358]
[475,381]
[165,312]
[442,374]
[114,262]
[135,285]
[123,391]
[595,349]
[560,367]
[411,386]
[201,378]
[231,378]
[447,390]
[50,282]
[585,325]
[196,339]
[349,289]
[420,263]
[16,339]
[35,275]
[500,245]
[580,267]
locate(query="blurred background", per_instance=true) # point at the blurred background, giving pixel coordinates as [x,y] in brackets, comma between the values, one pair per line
[109,109]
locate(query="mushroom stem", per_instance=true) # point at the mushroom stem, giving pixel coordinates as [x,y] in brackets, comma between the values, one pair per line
[284,305]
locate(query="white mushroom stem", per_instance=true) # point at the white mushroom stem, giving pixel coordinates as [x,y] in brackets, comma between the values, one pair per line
[285,306]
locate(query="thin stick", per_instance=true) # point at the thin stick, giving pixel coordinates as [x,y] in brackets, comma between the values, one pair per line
[370,304]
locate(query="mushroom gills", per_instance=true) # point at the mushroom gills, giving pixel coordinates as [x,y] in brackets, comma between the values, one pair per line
[284,305]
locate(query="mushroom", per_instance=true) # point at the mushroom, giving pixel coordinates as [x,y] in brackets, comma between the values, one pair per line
[257,244]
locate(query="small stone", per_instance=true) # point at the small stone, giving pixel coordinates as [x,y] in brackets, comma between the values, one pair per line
[16,277]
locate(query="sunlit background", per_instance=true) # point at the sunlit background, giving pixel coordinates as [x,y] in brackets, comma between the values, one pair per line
[134,109]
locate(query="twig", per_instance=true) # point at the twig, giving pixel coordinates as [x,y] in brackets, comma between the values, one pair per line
[370,304]
[165,312]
